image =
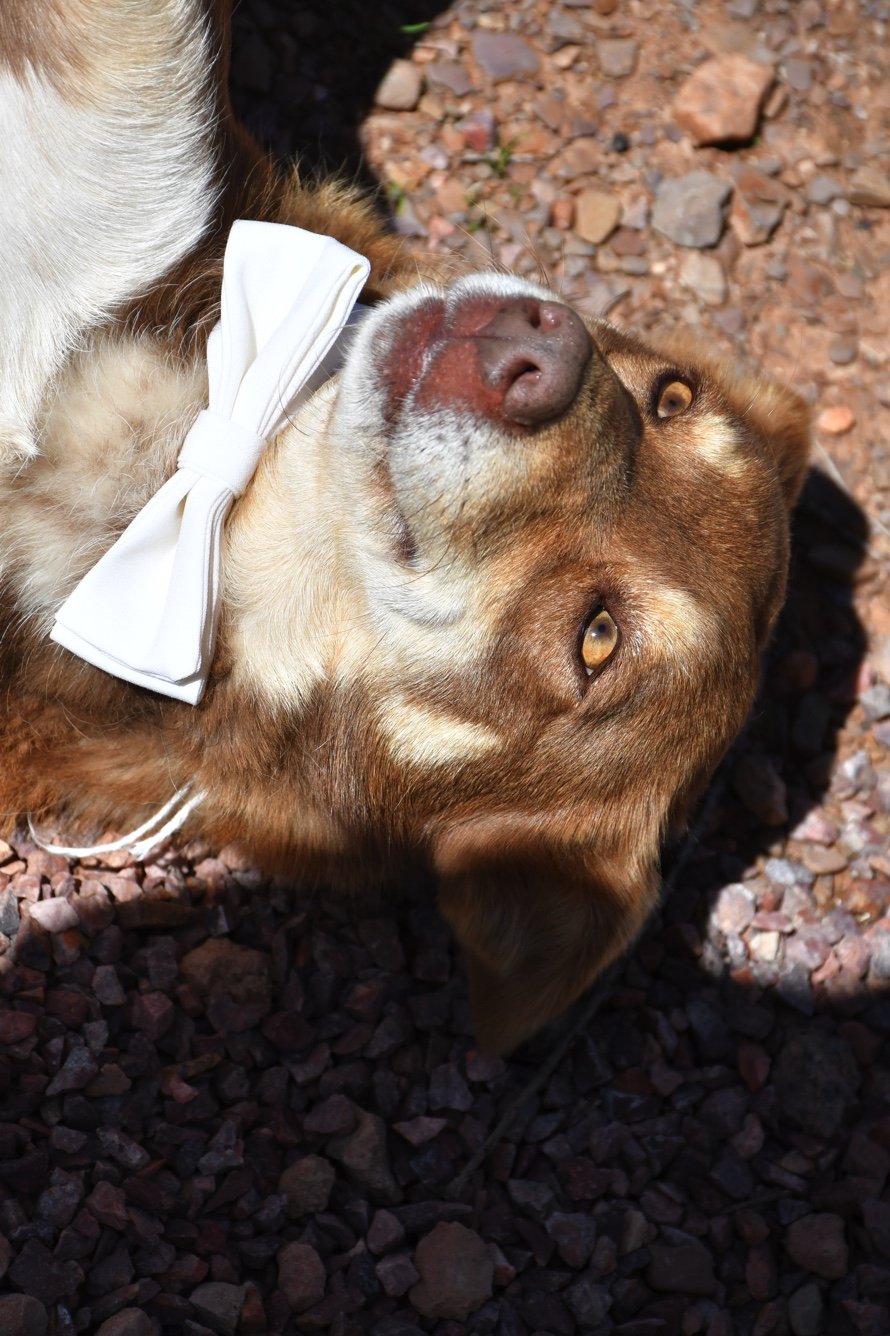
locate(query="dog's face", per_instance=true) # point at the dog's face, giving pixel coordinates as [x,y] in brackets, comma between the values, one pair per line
[561,552]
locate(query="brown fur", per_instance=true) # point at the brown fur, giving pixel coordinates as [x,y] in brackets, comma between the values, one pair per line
[545,844]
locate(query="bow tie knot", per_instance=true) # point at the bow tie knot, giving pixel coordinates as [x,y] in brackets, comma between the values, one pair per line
[147,611]
[221,449]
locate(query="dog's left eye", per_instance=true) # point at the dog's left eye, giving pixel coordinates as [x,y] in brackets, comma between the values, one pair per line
[599,640]
[673,399]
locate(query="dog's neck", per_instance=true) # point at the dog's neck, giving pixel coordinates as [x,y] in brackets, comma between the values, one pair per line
[281,608]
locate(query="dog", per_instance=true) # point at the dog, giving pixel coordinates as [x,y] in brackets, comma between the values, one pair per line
[493,602]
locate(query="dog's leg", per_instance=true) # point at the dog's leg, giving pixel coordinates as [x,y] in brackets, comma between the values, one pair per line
[107,175]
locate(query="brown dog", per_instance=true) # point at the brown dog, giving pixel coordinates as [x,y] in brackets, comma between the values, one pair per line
[494,601]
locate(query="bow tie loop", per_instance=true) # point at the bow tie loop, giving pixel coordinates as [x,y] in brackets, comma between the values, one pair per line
[147,611]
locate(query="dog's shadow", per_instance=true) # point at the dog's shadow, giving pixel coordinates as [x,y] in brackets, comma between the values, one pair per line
[305,87]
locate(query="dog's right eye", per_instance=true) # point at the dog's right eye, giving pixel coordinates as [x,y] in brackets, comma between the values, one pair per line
[599,640]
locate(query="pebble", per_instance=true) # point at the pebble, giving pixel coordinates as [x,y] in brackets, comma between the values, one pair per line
[720,102]
[456,1273]
[596,215]
[400,88]
[22,1315]
[617,56]
[703,275]
[690,209]
[836,421]
[55,915]
[806,1311]
[815,1079]
[301,1276]
[307,1185]
[504,55]
[127,1322]
[687,1269]
[816,1243]
[219,1304]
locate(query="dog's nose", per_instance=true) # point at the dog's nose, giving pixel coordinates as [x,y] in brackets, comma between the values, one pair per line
[532,354]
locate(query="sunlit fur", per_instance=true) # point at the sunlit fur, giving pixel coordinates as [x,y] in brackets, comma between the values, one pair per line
[406,583]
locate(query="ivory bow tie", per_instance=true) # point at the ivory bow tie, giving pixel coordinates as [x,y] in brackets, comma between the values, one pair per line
[147,611]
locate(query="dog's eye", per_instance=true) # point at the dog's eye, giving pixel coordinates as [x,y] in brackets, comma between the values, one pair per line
[673,399]
[599,640]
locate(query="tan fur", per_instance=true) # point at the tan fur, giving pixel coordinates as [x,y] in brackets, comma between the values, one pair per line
[398,676]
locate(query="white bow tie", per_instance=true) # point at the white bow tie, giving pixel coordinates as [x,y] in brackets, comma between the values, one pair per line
[147,611]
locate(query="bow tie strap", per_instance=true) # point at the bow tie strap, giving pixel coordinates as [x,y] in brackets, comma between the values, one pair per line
[218,448]
[148,609]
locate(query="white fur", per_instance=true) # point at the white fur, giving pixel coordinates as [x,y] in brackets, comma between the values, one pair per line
[104,185]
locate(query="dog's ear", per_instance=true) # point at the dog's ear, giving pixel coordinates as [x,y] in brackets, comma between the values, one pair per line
[538,918]
[784,420]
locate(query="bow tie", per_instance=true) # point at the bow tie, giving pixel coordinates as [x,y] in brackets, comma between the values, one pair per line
[147,611]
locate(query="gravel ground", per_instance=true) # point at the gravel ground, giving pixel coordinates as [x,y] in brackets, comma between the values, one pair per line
[228,1107]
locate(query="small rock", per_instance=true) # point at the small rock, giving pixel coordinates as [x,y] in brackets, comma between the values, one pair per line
[307,1185]
[456,1272]
[836,421]
[806,1312]
[687,1269]
[478,132]
[363,1155]
[449,74]
[817,1243]
[588,1301]
[396,1273]
[385,1233]
[720,102]
[815,1078]
[870,187]
[55,915]
[504,55]
[596,215]
[400,87]
[690,209]
[235,981]
[617,56]
[301,1276]
[704,276]
[22,1315]
[128,1322]
[575,1235]
[733,909]
[219,1305]
[76,1071]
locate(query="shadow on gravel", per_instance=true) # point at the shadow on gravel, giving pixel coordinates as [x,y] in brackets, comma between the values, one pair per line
[324,61]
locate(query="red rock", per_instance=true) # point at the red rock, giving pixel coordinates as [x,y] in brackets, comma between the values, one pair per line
[334,1116]
[396,1273]
[364,1156]
[836,420]
[385,1233]
[22,1315]
[153,1014]
[456,1272]
[108,1204]
[128,1322]
[219,1304]
[234,979]
[301,1276]
[307,1184]
[720,101]
[817,1244]
[16,1026]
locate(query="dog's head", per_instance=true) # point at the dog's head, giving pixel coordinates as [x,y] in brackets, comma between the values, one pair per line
[559,555]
